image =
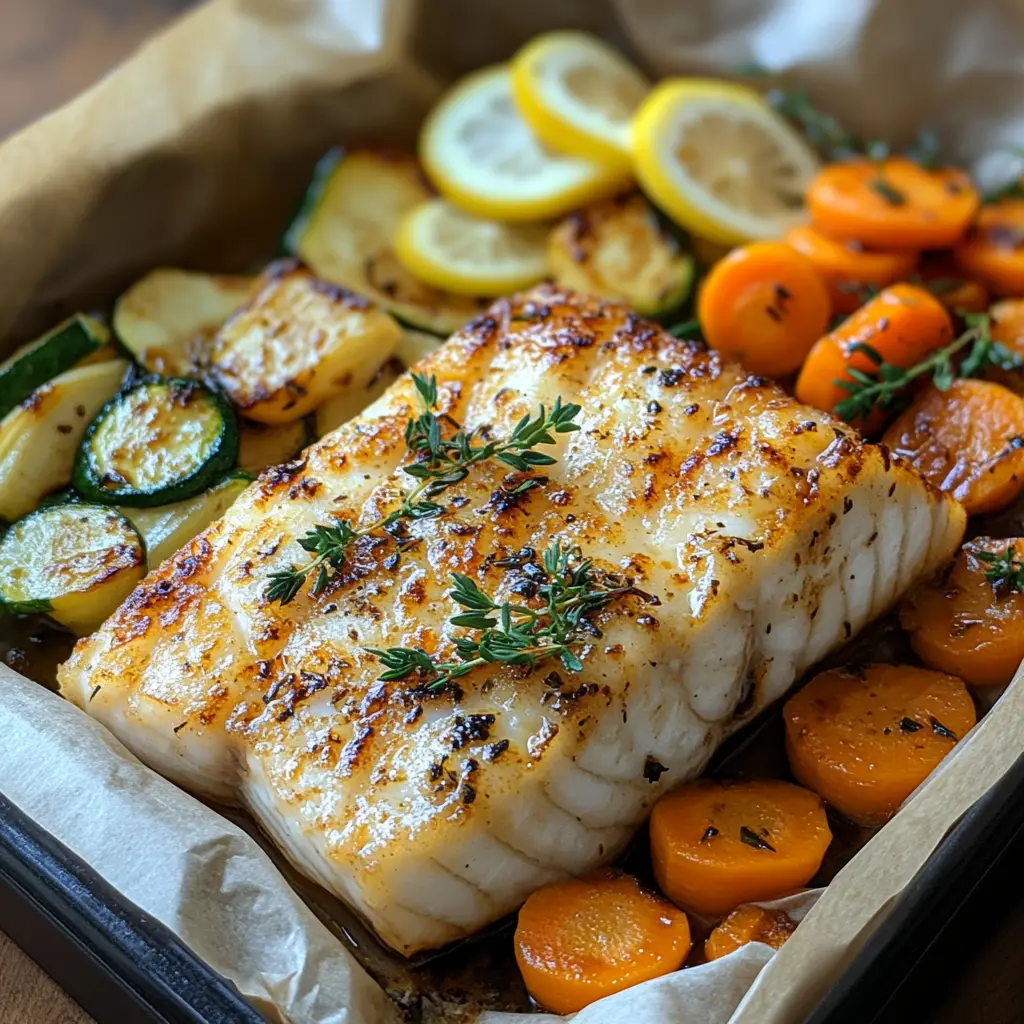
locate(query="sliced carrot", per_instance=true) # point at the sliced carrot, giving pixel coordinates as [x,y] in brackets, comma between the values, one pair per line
[892,204]
[1007,327]
[964,623]
[847,268]
[579,940]
[994,248]
[967,440]
[748,924]
[951,286]
[902,323]
[765,305]
[716,844]
[866,739]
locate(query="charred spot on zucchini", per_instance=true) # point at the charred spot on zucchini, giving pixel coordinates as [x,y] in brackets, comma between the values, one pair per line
[623,249]
[46,357]
[344,229]
[160,441]
[167,528]
[166,320]
[299,342]
[74,562]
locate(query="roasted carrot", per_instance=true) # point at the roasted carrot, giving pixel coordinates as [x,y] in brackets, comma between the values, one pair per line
[970,620]
[892,204]
[902,323]
[864,739]
[967,440]
[579,940]
[716,844]
[748,924]
[993,250]
[847,268]
[1007,328]
[957,291]
[765,305]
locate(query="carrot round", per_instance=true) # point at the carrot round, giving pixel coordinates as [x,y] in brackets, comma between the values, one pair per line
[967,440]
[1007,327]
[716,844]
[994,248]
[902,323]
[970,620]
[865,740]
[765,305]
[957,291]
[847,267]
[892,204]
[748,924]
[579,940]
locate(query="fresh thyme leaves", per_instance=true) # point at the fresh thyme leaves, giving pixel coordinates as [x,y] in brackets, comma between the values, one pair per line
[441,463]
[822,130]
[887,384]
[751,838]
[516,634]
[1005,572]
[686,329]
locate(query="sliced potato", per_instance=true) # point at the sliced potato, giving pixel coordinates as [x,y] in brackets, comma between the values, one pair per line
[261,445]
[169,527]
[416,345]
[166,319]
[298,343]
[345,229]
[351,403]
[39,439]
[622,249]
[75,562]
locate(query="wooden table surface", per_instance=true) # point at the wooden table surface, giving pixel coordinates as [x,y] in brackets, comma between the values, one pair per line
[52,49]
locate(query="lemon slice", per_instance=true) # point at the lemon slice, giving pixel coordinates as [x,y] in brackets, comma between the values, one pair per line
[482,156]
[578,95]
[447,248]
[719,161]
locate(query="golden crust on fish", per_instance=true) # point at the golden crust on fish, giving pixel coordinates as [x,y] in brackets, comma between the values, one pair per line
[767,531]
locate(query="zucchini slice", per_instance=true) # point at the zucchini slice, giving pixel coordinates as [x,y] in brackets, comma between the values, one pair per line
[39,439]
[75,562]
[344,229]
[46,357]
[260,445]
[351,403]
[158,442]
[170,527]
[298,343]
[166,320]
[621,248]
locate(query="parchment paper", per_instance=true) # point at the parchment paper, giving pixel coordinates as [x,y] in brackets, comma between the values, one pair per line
[192,154]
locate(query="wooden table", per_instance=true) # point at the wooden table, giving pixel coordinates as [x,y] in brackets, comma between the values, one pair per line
[52,49]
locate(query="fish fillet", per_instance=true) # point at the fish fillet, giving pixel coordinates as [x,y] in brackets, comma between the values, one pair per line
[768,532]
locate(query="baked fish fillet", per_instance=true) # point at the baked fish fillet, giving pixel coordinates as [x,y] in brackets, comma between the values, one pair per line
[768,532]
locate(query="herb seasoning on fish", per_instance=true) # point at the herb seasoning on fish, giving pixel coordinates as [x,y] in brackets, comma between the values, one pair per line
[516,634]
[443,463]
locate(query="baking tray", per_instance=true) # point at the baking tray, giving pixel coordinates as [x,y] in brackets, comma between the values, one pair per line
[123,967]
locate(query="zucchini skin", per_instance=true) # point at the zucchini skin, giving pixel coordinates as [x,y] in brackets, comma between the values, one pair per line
[87,478]
[51,355]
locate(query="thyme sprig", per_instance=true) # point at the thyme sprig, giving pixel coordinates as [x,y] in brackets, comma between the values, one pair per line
[886,385]
[1005,572]
[516,634]
[441,463]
